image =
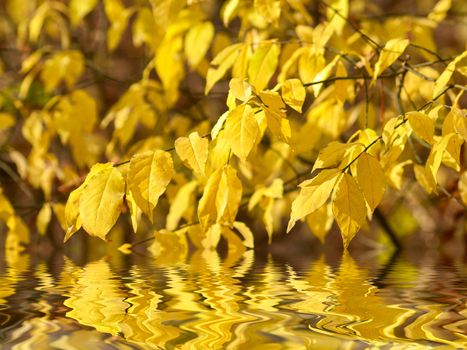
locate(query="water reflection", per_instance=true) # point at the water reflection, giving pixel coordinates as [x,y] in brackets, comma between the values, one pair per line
[203,301]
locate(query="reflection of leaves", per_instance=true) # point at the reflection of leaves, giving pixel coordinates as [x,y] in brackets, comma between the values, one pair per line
[96,299]
[205,302]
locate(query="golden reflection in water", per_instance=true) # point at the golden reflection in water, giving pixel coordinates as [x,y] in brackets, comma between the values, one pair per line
[203,301]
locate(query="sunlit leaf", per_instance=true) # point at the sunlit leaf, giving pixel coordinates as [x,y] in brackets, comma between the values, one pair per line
[348,206]
[72,212]
[100,202]
[313,194]
[241,130]
[263,64]
[148,177]
[197,42]
[423,125]
[193,151]
[221,197]
[180,204]
[389,54]
[293,93]
[79,9]
[220,64]
[371,179]
[43,218]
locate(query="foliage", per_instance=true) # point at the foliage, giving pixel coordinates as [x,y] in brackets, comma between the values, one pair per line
[328,108]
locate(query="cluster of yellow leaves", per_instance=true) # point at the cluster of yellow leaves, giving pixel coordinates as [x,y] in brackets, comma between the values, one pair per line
[355,175]
[296,90]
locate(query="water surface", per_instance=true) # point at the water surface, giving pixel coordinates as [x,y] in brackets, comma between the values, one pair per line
[241,301]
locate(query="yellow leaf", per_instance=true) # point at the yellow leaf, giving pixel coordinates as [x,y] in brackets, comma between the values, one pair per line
[79,9]
[323,74]
[455,122]
[272,100]
[389,54]
[221,197]
[348,206]
[440,10]
[6,121]
[270,10]
[169,247]
[313,194]
[338,21]
[423,125]
[72,217]
[268,219]
[263,64]
[148,177]
[125,248]
[43,218]
[278,124]
[72,213]
[100,202]
[444,78]
[32,61]
[145,30]
[197,42]
[234,243]
[452,156]
[229,196]
[341,87]
[241,130]
[220,64]
[246,233]
[135,211]
[240,89]
[180,204]
[6,209]
[20,161]
[63,65]
[320,221]
[463,187]
[18,234]
[193,151]
[294,94]
[394,174]
[59,211]
[331,155]
[371,180]
[420,176]
[118,16]
[170,66]
[434,161]
[37,21]
[228,10]
[213,236]
[216,129]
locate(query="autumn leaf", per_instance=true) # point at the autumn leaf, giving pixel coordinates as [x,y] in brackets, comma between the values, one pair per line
[348,206]
[101,201]
[388,55]
[313,194]
[371,180]
[193,151]
[241,131]
[148,177]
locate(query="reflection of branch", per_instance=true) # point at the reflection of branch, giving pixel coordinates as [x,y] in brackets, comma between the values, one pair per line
[387,228]
[387,268]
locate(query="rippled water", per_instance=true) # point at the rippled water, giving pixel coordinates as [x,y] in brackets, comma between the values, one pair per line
[238,302]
